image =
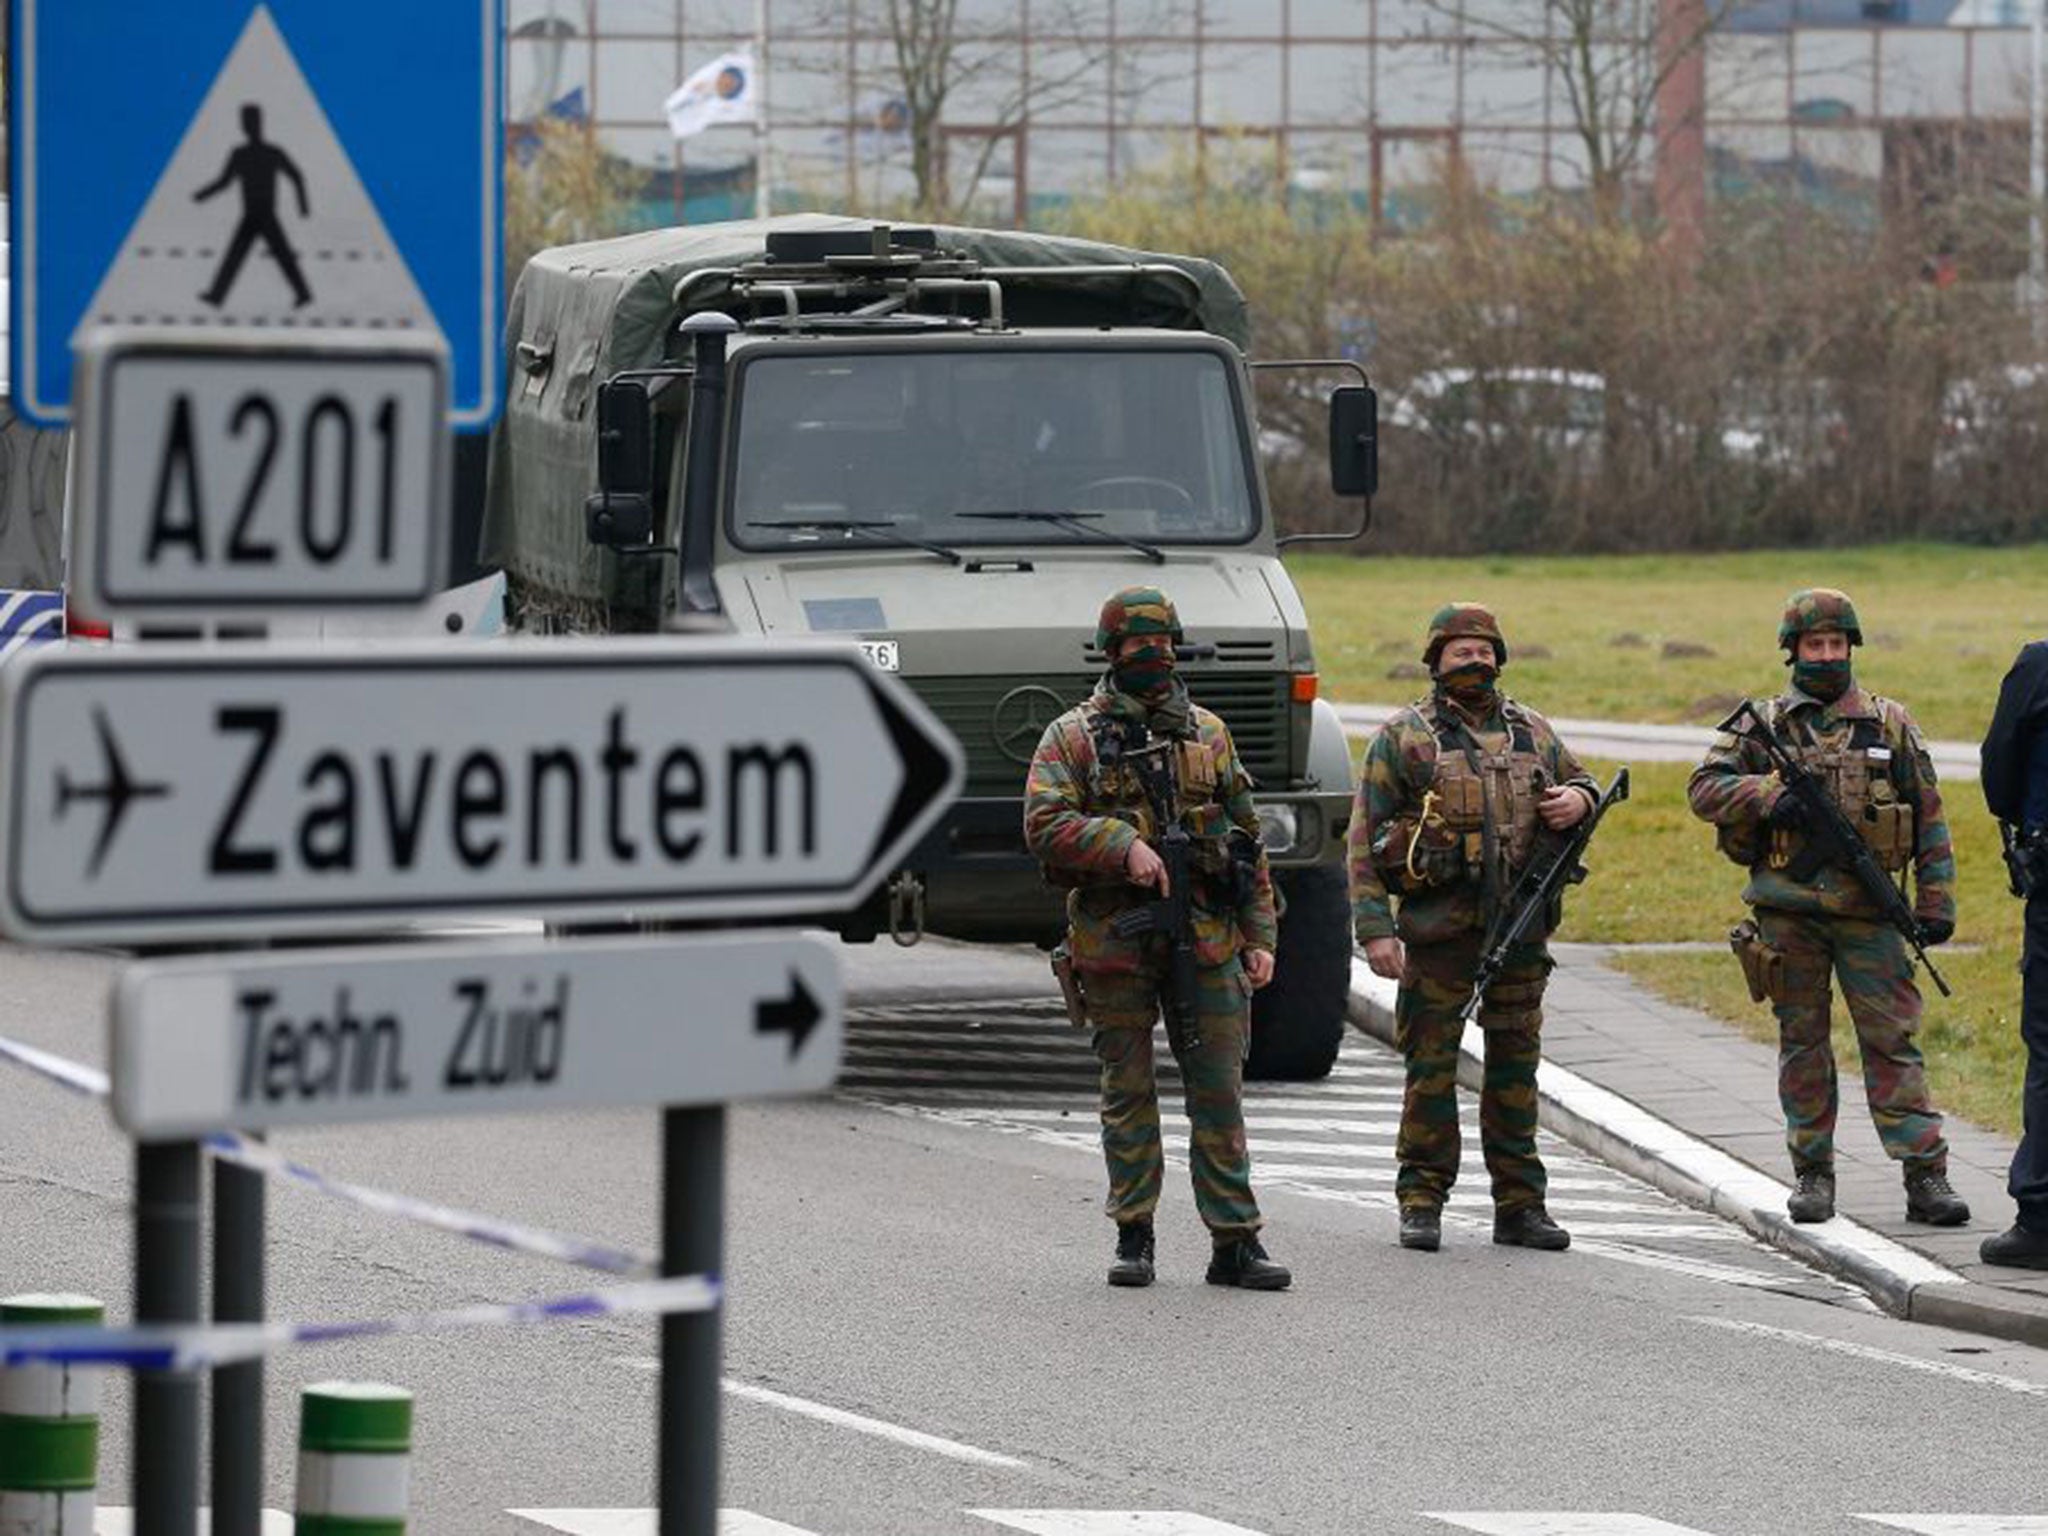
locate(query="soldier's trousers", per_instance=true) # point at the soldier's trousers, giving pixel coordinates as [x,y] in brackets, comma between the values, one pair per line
[1427,1029]
[1876,974]
[2028,1179]
[1123,1009]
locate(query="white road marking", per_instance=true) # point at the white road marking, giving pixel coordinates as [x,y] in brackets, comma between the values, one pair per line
[645,1522]
[825,1413]
[1962,1373]
[1563,1522]
[113,1521]
[1965,1525]
[1110,1522]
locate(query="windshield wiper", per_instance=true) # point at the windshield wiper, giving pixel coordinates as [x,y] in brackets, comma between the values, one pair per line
[1076,522]
[888,532]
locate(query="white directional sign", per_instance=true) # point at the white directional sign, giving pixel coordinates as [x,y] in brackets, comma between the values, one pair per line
[240,475]
[322,1037]
[173,791]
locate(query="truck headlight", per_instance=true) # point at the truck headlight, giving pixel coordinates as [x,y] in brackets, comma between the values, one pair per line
[1279,827]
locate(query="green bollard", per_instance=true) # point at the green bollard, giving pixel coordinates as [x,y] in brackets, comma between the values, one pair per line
[49,1429]
[355,1459]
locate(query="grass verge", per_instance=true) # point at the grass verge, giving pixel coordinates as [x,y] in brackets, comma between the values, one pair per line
[1680,638]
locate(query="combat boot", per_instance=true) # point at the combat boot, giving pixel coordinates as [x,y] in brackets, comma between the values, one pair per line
[2018,1247]
[1242,1262]
[1932,1199]
[1530,1226]
[1813,1197]
[1133,1262]
[1422,1228]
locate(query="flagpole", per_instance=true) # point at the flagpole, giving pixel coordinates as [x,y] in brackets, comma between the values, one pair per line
[763,189]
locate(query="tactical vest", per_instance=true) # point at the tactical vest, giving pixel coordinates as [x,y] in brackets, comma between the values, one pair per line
[1862,772]
[1475,798]
[1115,788]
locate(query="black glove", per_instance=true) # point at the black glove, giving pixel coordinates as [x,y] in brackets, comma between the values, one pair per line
[1934,930]
[1788,812]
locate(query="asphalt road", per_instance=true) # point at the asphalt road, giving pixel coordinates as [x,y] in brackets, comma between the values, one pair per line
[929,1269]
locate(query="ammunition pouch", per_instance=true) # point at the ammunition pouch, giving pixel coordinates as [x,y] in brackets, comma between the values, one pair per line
[1413,855]
[1763,967]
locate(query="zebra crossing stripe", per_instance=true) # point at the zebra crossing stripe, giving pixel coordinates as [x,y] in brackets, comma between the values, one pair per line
[1563,1523]
[121,1522]
[1962,1373]
[644,1522]
[1965,1525]
[1110,1522]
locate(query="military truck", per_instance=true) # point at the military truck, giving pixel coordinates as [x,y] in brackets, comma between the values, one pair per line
[947,445]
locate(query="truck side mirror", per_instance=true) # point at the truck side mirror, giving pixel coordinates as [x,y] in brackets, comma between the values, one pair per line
[1354,440]
[622,512]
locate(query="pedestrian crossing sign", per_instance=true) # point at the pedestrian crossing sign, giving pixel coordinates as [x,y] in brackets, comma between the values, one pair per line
[292,166]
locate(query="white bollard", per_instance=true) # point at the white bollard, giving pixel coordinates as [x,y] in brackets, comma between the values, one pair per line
[355,1459]
[49,1429]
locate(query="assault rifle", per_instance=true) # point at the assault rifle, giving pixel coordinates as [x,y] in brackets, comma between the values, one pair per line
[1830,836]
[1552,866]
[1174,913]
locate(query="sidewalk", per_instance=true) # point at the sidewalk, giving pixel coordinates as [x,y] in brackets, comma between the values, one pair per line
[1686,1103]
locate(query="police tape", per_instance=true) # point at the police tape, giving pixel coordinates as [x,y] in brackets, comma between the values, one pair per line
[230,1147]
[203,1346]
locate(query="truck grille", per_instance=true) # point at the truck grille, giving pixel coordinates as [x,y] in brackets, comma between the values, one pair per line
[999,719]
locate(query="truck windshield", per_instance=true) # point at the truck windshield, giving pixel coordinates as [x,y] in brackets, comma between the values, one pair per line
[1118,446]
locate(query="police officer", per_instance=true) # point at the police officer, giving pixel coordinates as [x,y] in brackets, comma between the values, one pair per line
[2015,762]
[1870,755]
[1452,793]
[1089,818]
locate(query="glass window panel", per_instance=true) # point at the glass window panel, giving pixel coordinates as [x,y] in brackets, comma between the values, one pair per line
[1504,85]
[808,82]
[1504,162]
[1155,153]
[1834,74]
[1748,76]
[609,18]
[734,16]
[1156,85]
[1998,74]
[1417,85]
[1524,18]
[1330,83]
[1411,171]
[538,71]
[988,82]
[1752,158]
[1070,82]
[1066,164]
[1568,164]
[810,164]
[1843,152]
[1920,74]
[989,18]
[1403,20]
[1330,164]
[1332,18]
[543,18]
[1073,18]
[1243,18]
[632,79]
[1240,86]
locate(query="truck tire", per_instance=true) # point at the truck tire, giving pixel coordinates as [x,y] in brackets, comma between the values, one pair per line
[1298,1019]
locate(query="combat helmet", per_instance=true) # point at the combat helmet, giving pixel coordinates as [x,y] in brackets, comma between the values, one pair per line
[1459,621]
[1137,611]
[1818,608]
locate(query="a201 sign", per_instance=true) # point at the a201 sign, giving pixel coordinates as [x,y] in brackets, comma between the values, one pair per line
[246,476]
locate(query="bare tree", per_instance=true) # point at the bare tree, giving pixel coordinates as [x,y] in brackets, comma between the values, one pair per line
[979,73]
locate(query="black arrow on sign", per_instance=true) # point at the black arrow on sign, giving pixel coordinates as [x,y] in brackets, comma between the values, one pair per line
[795,1015]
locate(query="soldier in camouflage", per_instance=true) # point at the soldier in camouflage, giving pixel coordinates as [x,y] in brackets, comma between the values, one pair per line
[1452,793]
[1870,755]
[1090,823]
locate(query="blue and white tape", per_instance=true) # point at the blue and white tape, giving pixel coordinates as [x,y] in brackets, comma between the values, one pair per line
[512,1236]
[203,1346]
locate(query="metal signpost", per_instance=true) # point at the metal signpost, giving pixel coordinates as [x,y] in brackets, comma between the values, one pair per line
[252,475]
[332,1037]
[178,793]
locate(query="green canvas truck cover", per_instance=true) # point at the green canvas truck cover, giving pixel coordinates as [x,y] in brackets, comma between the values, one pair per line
[581,313]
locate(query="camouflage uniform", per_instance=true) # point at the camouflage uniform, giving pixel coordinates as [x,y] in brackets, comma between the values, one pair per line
[1423,830]
[1871,755]
[1081,820]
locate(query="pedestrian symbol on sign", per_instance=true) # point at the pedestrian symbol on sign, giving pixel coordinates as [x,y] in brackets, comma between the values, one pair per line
[257,166]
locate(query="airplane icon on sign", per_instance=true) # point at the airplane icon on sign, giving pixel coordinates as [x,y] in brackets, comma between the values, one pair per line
[115,793]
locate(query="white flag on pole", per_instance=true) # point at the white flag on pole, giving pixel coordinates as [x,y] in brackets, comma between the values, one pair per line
[721,92]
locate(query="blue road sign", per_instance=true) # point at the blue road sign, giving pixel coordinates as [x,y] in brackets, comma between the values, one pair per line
[297,164]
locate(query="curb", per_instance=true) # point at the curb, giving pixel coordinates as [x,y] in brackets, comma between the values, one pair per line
[1904,1283]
